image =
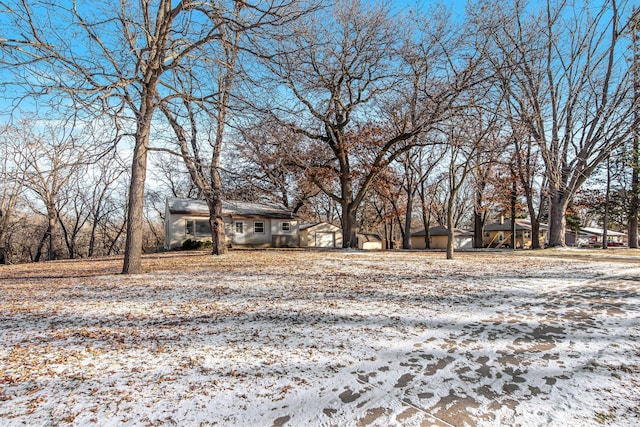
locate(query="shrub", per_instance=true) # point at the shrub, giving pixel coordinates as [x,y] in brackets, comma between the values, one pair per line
[191,245]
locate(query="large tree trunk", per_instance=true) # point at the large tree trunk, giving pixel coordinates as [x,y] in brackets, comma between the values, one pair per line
[478,229]
[216,221]
[450,230]
[349,229]
[135,212]
[218,239]
[535,233]
[557,220]
[450,236]
[634,202]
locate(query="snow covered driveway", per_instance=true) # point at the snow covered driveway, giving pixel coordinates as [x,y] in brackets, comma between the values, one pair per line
[273,338]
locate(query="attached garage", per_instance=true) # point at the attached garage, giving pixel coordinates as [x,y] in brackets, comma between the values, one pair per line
[320,235]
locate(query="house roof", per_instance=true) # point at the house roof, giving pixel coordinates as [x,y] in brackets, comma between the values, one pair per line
[598,232]
[369,237]
[441,230]
[521,224]
[316,224]
[229,208]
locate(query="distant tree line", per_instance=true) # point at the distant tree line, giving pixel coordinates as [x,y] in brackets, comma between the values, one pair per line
[351,112]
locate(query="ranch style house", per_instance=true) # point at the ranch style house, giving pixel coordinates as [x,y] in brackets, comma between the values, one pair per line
[246,224]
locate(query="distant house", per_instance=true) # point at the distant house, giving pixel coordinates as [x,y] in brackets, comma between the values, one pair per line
[592,237]
[320,235]
[439,236]
[246,224]
[498,235]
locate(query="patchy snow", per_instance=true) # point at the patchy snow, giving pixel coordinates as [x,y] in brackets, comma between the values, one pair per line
[323,338]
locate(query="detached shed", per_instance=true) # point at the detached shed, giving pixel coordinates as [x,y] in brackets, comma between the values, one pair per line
[320,235]
[438,238]
[369,241]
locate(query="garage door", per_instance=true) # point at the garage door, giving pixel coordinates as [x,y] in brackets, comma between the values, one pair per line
[325,240]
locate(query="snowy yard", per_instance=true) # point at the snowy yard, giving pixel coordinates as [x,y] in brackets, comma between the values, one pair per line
[273,338]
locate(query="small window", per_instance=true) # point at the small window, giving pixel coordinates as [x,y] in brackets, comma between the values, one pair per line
[527,234]
[487,234]
[239,228]
[285,226]
[258,227]
[190,227]
[500,236]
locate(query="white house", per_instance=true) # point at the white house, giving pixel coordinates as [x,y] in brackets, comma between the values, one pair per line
[246,224]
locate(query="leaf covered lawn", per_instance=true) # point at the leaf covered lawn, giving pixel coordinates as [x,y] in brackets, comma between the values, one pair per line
[324,338]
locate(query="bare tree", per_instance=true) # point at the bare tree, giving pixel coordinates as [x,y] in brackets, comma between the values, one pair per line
[74,214]
[568,84]
[214,104]
[417,166]
[469,134]
[12,176]
[239,28]
[51,156]
[634,202]
[352,95]
[260,157]
[120,60]
[527,164]
[172,176]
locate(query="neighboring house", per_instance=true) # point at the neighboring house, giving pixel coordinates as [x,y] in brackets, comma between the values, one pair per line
[498,235]
[439,236]
[320,235]
[592,237]
[246,224]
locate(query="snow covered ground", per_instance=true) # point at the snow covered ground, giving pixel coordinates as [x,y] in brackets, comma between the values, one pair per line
[296,338]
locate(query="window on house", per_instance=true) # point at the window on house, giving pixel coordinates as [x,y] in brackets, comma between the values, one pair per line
[258,227]
[527,234]
[239,227]
[203,228]
[487,234]
[285,226]
[500,236]
[197,227]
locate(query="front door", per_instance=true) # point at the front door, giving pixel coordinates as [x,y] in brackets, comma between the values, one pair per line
[239,232]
